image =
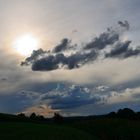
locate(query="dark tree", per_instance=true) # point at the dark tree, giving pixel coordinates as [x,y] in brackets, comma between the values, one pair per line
[57,118]
[22,115]
[112,114]
[33,116]
[125,113]
[40,118]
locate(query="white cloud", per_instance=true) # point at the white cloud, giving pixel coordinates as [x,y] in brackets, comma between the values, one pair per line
[127,95]
[43,110]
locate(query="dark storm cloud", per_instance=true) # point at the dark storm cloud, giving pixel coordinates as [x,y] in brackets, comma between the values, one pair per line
[122,51]
[49,63]
[120,48]
[57,61]
[124,24]
[36,54]
[41,60]
[62,46]
[131,52]
[107,38]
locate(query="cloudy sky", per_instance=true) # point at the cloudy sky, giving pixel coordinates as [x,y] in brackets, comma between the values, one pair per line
[77,57]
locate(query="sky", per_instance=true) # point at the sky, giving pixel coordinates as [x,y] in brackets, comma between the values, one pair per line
[86,59]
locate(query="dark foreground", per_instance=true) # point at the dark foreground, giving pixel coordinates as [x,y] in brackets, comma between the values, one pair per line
[123,125]
[30,131]
[97,129]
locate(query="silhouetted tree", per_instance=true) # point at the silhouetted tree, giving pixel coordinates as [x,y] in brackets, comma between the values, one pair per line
[40,118]
[57,118]
[138,115]
[22,115]
[112,114]
[33,116]
[126,113]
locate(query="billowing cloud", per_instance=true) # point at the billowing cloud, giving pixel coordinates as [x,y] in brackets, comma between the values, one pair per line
[43,110]
[61,56]
[63,96]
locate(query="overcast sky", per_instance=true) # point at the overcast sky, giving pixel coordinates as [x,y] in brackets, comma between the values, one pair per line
[89,59]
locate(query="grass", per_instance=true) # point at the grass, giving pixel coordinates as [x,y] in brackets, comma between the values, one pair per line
[111,129]
[92,129]
[29,131]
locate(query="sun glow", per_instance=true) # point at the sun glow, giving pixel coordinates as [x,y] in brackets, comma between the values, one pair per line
[26,44]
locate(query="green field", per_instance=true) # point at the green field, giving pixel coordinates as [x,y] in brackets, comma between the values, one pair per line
[96,129]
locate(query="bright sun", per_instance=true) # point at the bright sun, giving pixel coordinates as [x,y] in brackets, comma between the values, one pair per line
[26,44]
